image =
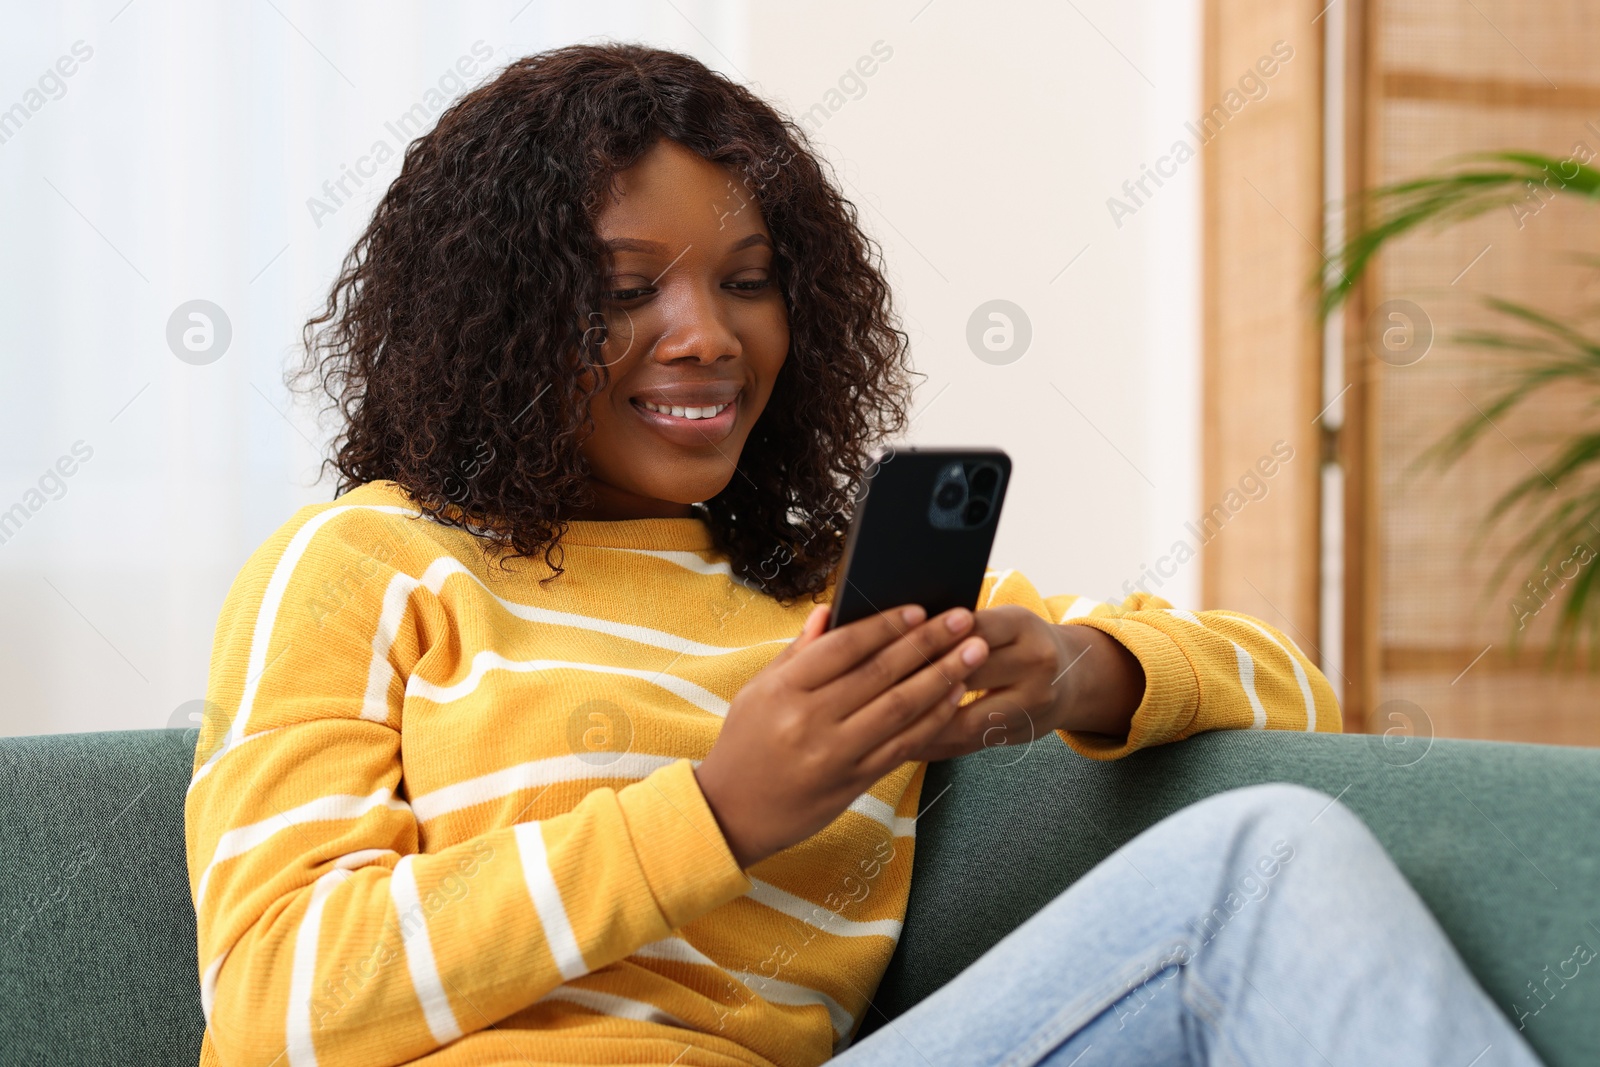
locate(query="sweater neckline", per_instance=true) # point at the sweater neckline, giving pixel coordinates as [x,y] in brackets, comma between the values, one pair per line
[659,534]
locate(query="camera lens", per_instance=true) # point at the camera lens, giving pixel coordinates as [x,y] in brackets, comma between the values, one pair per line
[983,480]
[949,495]
[976,512]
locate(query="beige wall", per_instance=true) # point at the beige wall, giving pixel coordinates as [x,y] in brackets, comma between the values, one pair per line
[982,155]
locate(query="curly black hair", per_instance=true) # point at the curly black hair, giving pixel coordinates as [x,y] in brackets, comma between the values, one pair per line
[456,339]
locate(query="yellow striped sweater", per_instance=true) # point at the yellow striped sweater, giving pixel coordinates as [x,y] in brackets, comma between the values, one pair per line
[442,814]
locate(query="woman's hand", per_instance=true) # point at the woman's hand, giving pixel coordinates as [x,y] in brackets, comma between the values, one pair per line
[1041,676]
[830,715]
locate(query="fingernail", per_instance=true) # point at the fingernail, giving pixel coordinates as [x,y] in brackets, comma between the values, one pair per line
[913,615]
[972,654]
[958,620]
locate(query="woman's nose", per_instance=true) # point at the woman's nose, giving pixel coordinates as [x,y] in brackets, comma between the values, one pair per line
[696,328]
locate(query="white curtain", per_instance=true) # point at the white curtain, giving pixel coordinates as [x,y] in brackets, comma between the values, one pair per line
[161,159]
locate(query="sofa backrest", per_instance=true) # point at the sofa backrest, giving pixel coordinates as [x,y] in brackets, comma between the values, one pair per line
[1502,842]
[99,957]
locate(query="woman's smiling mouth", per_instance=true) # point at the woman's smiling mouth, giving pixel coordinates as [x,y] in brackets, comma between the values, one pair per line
[683,422]
[685,412]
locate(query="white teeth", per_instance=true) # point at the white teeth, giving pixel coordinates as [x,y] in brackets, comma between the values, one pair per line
[684,412]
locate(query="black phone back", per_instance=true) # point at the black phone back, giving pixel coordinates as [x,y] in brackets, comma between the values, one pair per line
[921,532]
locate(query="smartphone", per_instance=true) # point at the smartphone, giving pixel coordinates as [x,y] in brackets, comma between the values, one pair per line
[923,525]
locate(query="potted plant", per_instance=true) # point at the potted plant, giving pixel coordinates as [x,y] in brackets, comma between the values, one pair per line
[1540,350]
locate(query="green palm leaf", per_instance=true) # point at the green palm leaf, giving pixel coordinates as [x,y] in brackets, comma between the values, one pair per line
[1561,501]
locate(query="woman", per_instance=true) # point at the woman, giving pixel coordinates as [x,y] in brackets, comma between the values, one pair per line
[519,759]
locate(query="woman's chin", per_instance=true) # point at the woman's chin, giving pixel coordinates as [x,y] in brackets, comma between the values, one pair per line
[660,497]
[697,493]
[691,482]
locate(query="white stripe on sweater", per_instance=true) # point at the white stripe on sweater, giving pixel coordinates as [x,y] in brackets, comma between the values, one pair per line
[630,766]
[208,986]
[419,953]
[880,812]
[541,880]
[531,775]
[792,993]
[489,660]
[1299,673]
[1079,608]
[211,761]
[380,672]
[300,1022]
[208,980]
[693,562]
[998,582]
[272,601]
[674,948]
[611,1004]
[689,561]
[445,566]
[819,916]
[242,839]
[1247,677]
[773,989]
[362,857]
[1246,666]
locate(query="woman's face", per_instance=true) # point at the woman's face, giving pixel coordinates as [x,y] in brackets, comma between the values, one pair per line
[695,333]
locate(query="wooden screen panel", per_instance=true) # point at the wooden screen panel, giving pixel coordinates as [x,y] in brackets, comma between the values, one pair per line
[1262,364]
[1445,79]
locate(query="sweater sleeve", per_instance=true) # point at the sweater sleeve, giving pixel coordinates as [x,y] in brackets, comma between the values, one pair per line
[1204,670]
[324,929]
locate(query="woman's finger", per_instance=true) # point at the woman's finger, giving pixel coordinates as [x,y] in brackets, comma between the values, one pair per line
[892,711]
[908,743]
[997,719]
[808,633]
[897,661]
[842,648]
[1006,665]
[1003,625]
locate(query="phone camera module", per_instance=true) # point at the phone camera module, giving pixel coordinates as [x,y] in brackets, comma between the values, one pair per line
[947,505]
[964,495]
[981,479]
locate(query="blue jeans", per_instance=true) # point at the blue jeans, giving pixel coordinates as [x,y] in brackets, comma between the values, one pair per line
[1263,926]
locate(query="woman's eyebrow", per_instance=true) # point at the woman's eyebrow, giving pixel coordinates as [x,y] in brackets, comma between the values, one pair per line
[638,244]
[634,244]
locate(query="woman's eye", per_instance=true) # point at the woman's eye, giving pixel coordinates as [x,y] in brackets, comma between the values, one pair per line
[751,286]
[623,295]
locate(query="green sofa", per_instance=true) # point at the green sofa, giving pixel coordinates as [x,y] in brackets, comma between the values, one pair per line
[1501,840]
